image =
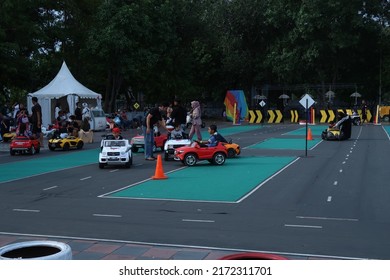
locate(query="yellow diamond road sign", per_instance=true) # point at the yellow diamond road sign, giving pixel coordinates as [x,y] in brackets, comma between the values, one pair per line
[136,105]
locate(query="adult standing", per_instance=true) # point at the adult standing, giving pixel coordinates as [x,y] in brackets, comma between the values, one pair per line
[78,112]
[364,111]
[153,117]
[57,110]
[86,112]
[36,120]
[179,114]
[85,132]
[196,116]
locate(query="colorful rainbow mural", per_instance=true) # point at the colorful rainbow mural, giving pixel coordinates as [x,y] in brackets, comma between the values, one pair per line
[236,97]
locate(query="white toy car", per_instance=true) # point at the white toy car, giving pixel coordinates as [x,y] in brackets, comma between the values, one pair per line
[173,143]
[115,152]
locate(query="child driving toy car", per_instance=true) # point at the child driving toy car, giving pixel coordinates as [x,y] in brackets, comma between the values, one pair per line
[215,137]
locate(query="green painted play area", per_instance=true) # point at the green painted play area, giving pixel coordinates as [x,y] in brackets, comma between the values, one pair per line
[286,144]
[38,165]
[206,182]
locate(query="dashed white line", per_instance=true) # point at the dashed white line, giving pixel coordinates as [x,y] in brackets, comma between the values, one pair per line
[115,170]
[329,199]
[327,218]
[26,210]
[107,215]
[49,188]
[340,170]
[335,183]
[198,221]
[302,226]
[85,178]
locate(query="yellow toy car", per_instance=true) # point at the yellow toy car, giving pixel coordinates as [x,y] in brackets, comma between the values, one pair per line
[66,143]
[8,136]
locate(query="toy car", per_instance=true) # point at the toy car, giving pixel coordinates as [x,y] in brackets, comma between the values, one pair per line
[115,152]
[190,155]
[232,149]
[138,142]
[342,132]
[172,144]
[9,136]
[24,145]
[66,143]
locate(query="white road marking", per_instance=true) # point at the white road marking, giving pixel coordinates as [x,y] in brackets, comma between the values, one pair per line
[329,199]
[49,188]
[335,183]
[326,218]
[115,170]
[302,226]
[26,210]
[107,215]
[85,178]
[340,170]
[198,221]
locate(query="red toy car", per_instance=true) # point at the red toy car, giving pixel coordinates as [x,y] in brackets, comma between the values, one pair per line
[190,155]
[24,145]
[138,142]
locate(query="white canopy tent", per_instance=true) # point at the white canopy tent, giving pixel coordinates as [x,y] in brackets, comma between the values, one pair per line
[63,87]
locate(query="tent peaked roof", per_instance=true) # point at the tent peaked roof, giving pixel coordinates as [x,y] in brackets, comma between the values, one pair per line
[64,84]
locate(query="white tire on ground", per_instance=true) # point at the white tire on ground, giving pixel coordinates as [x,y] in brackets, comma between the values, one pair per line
[36,250]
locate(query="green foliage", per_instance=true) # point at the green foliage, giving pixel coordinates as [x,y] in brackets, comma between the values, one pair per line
[194,49]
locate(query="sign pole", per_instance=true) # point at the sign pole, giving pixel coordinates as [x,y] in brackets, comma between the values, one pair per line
[306,101]
[307,126]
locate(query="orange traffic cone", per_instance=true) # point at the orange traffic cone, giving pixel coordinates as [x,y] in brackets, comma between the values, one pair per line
[159,173]
[309,135]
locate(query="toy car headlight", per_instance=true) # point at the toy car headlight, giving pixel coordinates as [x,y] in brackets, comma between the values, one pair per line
[123,153]
[104,153]
[170,146]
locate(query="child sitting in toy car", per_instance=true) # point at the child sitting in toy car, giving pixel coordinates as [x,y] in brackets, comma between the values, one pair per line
[177,132]
[215,137]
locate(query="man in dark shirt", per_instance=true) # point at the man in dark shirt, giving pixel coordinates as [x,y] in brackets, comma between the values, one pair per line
[179,114]
[153,117]
[36,120]
[78,112]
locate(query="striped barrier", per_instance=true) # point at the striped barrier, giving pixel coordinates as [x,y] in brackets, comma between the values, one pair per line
[330,115]
[275,116]
[294,116]
[255,116]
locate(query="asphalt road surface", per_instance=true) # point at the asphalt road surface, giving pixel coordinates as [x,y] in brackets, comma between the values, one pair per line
[330,200]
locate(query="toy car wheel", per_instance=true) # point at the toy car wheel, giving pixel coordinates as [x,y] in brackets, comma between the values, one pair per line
[38,149]
[80,145]
[32,150]
[101,165]
[356,121]
[231,152]
[51,148]
[66,147]
[134,149]
[166,156]
[219,158]
[190,159]
[163,145]
[12,152]
[154,149]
